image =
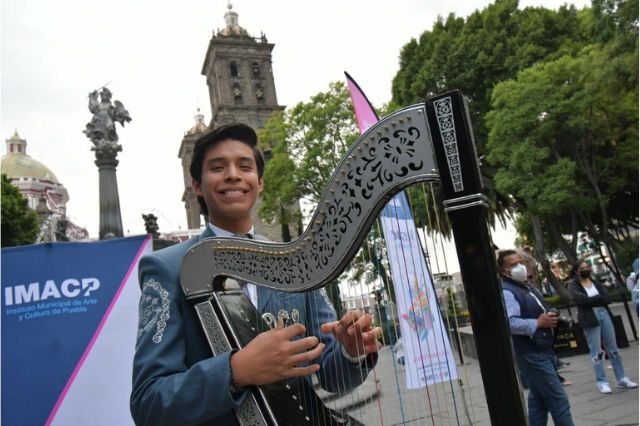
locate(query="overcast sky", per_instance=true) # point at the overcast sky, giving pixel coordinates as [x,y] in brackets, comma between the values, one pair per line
[151,52]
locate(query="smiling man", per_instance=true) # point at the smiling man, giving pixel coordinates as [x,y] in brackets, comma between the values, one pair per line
[176,380]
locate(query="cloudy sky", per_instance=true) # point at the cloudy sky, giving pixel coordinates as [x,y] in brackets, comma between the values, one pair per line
[151,52]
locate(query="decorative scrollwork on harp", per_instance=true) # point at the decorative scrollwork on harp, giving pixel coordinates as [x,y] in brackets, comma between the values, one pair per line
[393,154]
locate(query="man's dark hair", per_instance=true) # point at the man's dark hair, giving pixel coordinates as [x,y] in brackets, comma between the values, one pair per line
[236,131]
[502,255]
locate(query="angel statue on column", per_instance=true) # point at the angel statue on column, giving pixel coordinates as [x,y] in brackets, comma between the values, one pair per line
[102,126]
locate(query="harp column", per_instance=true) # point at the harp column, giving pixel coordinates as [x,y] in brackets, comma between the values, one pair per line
[467,209]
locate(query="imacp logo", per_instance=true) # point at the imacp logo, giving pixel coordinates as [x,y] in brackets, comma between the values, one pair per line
[37,300]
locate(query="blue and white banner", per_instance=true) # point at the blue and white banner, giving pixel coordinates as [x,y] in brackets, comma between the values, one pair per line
[69,322]
[428,356]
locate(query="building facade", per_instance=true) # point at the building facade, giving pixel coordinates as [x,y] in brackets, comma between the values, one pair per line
[241,88]
[44,193]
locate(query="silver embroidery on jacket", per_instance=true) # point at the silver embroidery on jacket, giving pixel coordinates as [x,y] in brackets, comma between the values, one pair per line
[154,309]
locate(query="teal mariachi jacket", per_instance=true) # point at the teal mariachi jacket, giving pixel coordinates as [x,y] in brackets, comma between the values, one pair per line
[176,380]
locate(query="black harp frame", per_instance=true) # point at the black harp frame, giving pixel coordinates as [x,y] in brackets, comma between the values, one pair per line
[408,146]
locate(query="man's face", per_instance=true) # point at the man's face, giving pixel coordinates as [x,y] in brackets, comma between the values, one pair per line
[229,185]
[509,262]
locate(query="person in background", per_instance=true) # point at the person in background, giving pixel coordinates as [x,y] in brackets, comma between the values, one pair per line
[592,300]
[532,321]
[529,261]
[632,285]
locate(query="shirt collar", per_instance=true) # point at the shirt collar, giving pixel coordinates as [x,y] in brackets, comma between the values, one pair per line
[219,232]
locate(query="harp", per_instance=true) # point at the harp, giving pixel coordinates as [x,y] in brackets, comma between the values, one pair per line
[427,142]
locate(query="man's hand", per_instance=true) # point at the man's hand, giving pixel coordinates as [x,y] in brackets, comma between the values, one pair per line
[354,332]
[547,320]
[272,356]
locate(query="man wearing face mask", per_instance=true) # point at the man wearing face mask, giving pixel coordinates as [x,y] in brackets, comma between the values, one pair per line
[531,321]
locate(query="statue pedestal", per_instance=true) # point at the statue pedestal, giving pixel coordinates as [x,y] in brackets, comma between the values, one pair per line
[110,217]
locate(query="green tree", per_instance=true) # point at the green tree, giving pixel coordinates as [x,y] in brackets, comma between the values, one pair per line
[319,134]
[19,222]
[492,45]
[565,151]
[281,191]
[306,144]
[475,54]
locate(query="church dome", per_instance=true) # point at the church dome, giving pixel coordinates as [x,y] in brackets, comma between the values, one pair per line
[233,29]
[17,164]
[199,127]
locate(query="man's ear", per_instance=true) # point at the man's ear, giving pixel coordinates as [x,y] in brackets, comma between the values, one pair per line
[260,185]
[196,187]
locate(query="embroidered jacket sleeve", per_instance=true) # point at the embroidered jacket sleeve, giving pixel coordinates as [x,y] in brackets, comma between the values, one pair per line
[517,324]
[165,390]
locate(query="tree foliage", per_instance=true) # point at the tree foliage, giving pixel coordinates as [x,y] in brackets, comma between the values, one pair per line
[319,134]
[19,222]
[553,102]
[564,138]
[281,192]
[490,46]
[306,142]
[474,55]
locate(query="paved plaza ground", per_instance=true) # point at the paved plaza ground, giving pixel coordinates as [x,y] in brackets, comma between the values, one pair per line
[588,406]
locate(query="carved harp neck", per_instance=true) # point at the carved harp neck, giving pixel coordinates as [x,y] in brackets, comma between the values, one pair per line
[394,153]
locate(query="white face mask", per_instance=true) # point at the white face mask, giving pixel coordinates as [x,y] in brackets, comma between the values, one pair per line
[519,273]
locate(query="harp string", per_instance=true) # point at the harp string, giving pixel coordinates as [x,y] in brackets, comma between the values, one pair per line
[414,303]
[370,240]
[429,402]
[353,394]
[410,410]
[364,292]
[383,257]
[432,393]
[440,243]
[428,278]
[417,403]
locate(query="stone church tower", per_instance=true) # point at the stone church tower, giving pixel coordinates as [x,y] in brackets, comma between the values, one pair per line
[241,88]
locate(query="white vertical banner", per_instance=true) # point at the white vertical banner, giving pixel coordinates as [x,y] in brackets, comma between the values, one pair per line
[428,356]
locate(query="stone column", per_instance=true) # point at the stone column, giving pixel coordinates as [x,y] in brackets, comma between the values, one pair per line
[110,217]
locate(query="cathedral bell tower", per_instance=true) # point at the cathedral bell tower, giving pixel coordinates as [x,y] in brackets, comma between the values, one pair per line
[239,76]
[241,88]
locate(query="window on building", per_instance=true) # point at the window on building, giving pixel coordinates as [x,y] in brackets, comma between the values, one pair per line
[255,69]
[237,93]
[259,94]
[233,69]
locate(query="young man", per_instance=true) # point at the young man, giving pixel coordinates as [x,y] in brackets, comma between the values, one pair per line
[531,322]
[176,380]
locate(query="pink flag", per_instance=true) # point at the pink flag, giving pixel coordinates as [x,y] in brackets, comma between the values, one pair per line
[365,114]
